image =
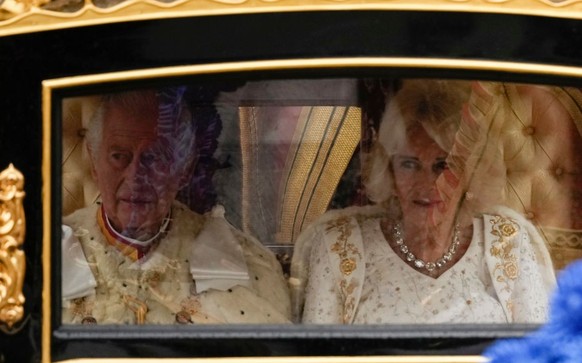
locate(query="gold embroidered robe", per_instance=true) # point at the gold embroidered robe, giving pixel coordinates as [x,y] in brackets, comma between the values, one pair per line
[160,290]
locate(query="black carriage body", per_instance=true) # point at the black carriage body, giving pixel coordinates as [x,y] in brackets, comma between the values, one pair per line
[414,38]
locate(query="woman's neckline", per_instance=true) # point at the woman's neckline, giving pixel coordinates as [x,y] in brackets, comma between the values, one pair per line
[465,246]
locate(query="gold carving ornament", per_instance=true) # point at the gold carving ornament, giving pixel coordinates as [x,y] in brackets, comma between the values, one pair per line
[26,16]
[12,262]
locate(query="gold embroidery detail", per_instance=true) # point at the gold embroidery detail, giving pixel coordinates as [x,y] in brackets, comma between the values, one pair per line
[510,269]
[191,305]
[504,229]
[83,308]
[153,278]
[347,266]
[349,300]
[342,247]
[507,229]
[139,308]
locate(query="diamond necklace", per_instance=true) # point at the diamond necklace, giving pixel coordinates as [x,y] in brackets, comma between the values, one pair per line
[417,262]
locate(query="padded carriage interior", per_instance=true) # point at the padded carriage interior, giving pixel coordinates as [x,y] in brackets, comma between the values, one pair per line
[79,189]
[541,148]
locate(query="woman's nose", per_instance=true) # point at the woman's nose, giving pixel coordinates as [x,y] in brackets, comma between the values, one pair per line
[427,178]
[430,173]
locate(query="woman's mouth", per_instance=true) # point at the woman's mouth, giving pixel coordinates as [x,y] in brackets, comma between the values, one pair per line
[427,202]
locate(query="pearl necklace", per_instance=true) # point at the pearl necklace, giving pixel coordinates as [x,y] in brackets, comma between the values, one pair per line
[417,262]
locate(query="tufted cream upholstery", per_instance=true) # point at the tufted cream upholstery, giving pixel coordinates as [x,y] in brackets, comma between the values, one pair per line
[79,189]
[555,166]
[529,149]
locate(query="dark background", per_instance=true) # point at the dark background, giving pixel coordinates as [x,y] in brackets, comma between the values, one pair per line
[26,60]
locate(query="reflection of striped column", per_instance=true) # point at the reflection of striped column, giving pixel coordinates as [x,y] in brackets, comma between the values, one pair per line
[322,145]
[324,141]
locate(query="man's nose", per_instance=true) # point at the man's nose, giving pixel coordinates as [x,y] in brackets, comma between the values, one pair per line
[136,170]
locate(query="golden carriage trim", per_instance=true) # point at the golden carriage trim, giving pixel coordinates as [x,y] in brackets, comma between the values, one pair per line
[26,16]
[12,261]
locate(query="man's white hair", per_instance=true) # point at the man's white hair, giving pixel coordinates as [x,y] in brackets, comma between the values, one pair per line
[133,103]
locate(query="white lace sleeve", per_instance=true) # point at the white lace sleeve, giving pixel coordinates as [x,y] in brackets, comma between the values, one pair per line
[532,291]
[323,304]
[520,266]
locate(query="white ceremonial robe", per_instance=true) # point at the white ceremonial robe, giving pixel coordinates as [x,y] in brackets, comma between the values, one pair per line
[161,283]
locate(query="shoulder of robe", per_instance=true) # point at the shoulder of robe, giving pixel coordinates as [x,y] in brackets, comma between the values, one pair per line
[83,216]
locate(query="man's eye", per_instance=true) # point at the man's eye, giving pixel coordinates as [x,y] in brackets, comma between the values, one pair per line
[149,159]
[120,159]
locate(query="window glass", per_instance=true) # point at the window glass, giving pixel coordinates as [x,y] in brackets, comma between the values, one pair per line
[319,201]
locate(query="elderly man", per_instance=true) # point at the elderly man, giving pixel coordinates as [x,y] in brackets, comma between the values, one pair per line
[141,257]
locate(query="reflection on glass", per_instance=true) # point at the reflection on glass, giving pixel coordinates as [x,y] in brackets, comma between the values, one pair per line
[138,256]
[416,256]
[376,201]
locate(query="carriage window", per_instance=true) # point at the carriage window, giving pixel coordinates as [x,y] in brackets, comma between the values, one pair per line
[319,201]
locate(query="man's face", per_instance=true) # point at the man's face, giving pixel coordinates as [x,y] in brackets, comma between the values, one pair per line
[134,173]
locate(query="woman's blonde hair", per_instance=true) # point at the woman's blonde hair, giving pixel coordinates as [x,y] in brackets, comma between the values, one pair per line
[434,105]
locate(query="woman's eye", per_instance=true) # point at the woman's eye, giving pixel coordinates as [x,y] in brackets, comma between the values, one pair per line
[440,166]
[410,164]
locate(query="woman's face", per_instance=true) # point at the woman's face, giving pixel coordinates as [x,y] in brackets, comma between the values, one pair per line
[416,167]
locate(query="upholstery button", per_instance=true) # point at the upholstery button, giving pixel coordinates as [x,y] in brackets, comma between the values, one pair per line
[559,171]
[469,196]
[530,130]
[530,215]
[81,132]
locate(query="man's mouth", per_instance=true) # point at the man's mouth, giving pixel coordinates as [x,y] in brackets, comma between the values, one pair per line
[135,201]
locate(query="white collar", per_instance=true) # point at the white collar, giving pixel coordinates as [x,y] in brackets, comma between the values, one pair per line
[162,230]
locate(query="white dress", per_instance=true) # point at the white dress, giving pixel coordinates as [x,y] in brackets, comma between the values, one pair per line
[356,277]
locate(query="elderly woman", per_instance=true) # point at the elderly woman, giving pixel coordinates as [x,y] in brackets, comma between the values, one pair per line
[412,258]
